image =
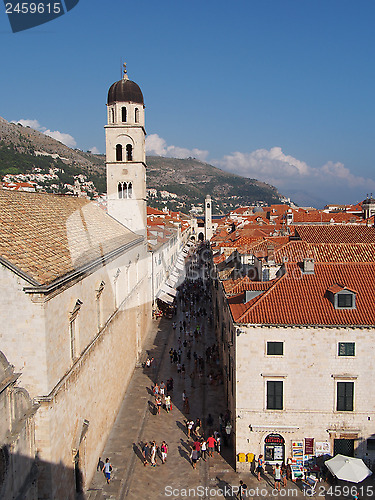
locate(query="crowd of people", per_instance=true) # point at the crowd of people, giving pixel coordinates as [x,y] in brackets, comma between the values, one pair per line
[194,363]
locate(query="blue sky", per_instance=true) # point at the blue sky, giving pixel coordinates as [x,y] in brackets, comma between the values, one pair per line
[278,90]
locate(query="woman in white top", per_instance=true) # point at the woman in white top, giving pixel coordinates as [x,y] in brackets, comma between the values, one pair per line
[153,454]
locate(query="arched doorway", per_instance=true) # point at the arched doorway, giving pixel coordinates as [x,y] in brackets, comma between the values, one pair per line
[201,237]
[274,448]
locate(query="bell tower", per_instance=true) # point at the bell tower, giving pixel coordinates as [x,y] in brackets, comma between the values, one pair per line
[125,155]
[208,218]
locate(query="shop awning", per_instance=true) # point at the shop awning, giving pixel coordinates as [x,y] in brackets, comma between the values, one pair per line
[180,265]
[166,298]
[169,290]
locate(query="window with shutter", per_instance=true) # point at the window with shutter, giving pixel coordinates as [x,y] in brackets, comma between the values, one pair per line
[346,348]
[275,348]
[345,391]
[274,395]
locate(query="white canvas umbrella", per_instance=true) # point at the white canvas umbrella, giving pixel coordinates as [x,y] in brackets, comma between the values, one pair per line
[348,468]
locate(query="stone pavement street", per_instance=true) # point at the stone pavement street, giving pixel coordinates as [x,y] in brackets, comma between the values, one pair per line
[137,423]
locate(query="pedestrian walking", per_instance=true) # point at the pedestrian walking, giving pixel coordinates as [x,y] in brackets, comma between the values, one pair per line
[153,454]
[211,441]
[197,427]
[242,490]
[187,406]
[194,457]
[107,469]
[277,474]
[218,443]
[162,388]
[158,404]
[189,426]
[284,474]
[192,378]
[260,466]
[164,452]
[204,449]
[168,404]
[145,453]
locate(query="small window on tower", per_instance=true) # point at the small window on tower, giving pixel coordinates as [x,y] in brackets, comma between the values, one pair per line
[124,114]
[208,205]
[136,115]
[120,190]
[118,152]
[130,190]
[113,115]
[129,152]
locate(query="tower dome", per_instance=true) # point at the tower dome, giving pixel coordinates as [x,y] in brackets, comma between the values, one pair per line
[125,91]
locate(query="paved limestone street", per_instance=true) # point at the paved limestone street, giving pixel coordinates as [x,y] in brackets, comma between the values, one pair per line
[137,423]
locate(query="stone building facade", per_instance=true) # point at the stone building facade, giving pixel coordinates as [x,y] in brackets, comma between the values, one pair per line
[75,309]
[18,464]
[297,353]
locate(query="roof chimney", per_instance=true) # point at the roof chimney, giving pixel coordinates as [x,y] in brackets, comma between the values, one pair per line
[308,266]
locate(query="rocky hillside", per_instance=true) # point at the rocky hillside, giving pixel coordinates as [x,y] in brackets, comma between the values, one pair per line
[175,183]
[191,180]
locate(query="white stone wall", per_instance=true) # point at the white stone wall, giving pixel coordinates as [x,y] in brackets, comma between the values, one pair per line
[35,335]
[22,332]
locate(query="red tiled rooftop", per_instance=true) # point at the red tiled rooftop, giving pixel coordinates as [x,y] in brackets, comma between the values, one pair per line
[336,234]
[302,299]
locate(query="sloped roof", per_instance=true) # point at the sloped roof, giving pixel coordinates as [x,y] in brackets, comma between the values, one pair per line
[296,251]
[240,285]
[47,236]
[302,299]
[337,234]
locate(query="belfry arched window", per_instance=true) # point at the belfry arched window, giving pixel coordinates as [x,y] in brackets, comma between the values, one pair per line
[125,190]
[129,152]
[136,115]
[113,115]
[124,114]
[118,152]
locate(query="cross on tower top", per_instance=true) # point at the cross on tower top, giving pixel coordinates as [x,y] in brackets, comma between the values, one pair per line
[125,76]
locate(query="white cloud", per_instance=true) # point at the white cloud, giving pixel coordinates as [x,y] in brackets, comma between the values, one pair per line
[157,146]
[286,172]
[95,151]
[66,139]
[29,123]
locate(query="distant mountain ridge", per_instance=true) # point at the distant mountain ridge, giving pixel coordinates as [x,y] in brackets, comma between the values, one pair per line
[179,183]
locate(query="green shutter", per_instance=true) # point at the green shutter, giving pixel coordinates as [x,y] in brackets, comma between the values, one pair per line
[274,395]
[345,391]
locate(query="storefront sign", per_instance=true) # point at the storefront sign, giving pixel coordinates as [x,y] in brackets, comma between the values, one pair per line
[309,446]
[274,439]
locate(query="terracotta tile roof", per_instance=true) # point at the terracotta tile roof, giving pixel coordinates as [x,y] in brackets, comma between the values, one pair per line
[339,288]
[232,287]
[219,258]
[155,211]
[336,234]
[324,217]
[296,251]
[48,236]
[302,299]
